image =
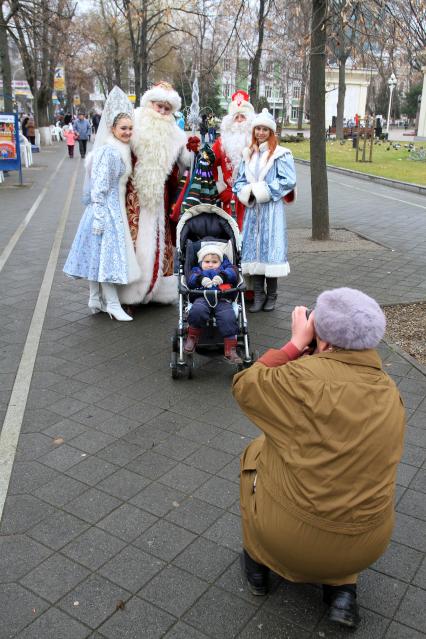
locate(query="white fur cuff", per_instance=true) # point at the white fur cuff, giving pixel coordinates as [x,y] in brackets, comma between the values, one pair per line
[261,192]
[244,194]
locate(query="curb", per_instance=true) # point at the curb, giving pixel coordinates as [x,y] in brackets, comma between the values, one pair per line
[395,184]
[411,360]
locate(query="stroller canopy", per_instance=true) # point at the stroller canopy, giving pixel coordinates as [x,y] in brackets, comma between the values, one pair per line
[207,221]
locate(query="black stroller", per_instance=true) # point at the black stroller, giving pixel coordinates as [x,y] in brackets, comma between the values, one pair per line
[207,223]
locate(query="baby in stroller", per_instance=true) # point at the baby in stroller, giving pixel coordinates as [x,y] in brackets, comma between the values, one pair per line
[214,272]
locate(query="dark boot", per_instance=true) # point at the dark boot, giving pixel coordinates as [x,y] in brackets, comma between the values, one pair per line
[255,574]
[230,348]
[271,293]
[259,293]
[343,605]
[192,339]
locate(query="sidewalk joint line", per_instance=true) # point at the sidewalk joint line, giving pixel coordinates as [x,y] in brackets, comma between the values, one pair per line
[16,409]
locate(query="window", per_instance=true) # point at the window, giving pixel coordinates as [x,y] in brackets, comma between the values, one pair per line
[227,64]
[269,67]
[226,90]
[296,91]
[268,91]
[294,113]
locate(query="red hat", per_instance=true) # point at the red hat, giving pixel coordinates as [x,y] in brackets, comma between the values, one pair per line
[241,104]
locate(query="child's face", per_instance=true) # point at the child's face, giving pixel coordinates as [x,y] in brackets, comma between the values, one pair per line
[210,262]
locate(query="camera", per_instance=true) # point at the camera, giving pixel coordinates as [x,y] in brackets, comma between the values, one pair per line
[313,344]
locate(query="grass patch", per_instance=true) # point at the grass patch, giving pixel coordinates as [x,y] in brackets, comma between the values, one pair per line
[392,163]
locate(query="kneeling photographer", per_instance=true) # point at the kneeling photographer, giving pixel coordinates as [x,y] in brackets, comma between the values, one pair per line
[317,487]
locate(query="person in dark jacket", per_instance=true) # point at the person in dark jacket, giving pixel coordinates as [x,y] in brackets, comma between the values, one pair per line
[215,272]
[83,129]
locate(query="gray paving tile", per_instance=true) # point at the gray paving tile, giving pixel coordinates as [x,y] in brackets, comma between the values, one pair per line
[65,428]
[58,529]
[93,548]
[93,601]
[372,626]
[151,465]
[405,474]
[29,475]
[414,456]
[223,614]
[147,436]
[164,540]
[413,503]
[269,626]
[420,578]
[118,425]
[412,608]
[18,555]
[54,624]
[162,590]
[60,490]
[18,608]
[183,631]
[62,457]
[92,470]
[67,406]
[54,577]
[121,452]
[195,515]
[218,491]
[176,447]
[91,441]
[410,531]
[32,445]
[209,459]
[398,631]
[226,531]
[124,484]
[380,593]
[232,581]
[21,512]
[131,568]
[92,416]
[126,623]
[299,603]
[185,478]
[205,559]
[399,561]
[157,498]
[127,522]
[92,505]
[200,432]
[418,483]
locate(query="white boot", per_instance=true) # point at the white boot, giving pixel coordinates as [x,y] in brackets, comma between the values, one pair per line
[95,303]
[112,304]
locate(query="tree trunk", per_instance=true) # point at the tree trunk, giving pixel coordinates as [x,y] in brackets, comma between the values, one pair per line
[5,66]
[341,98]
[302,91]
[319,186]
[254,80]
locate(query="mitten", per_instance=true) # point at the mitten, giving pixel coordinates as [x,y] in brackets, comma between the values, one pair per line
[206,282]
[217,280]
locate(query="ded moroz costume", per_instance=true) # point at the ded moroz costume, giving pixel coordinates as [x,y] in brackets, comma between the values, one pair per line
[159,154]
[235,131]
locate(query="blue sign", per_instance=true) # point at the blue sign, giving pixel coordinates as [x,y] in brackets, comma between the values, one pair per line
[10,149]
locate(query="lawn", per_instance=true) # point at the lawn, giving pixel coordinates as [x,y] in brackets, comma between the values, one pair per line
[387,161]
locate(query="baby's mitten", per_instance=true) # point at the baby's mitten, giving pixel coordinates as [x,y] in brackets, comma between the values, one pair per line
[206,282]
[217,280]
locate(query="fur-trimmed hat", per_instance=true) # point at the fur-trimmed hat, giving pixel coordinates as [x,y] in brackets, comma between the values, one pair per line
[264,119]
[162,92]
[210,249]
[240,104]
[348,318]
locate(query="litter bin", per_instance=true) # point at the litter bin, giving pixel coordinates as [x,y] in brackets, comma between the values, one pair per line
[299,134]
[354,142]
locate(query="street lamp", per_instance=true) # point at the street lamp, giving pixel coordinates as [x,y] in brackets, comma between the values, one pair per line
[392,85]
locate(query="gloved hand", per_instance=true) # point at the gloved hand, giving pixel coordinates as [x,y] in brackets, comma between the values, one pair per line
[217,280]
[97,227]
[206,282]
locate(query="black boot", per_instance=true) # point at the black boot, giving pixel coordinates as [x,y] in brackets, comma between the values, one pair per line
[259,293]
[343,604]
[255,574]
[271,293]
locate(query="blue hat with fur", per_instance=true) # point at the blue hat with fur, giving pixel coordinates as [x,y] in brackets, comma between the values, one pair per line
[348,318]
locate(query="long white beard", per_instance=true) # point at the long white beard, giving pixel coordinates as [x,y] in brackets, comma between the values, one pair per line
[235,138]
[156,142]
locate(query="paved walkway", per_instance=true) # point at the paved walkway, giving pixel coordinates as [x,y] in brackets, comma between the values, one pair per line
[121,518]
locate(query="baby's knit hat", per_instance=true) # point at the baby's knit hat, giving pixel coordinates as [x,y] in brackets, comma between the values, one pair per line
[209,249]
[348,318]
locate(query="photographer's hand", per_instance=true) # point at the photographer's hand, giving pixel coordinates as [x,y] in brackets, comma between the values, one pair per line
[302,329]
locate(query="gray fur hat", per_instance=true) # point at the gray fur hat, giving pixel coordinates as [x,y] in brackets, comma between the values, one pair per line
[350,319]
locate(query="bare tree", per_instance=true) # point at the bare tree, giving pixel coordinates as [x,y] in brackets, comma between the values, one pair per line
[6,14]
[264,8]
[319,184]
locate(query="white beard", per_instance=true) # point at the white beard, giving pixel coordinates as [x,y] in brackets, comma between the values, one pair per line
[157,142]
[235,136]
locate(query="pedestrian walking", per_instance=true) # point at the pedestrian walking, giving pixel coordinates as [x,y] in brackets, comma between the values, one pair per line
[30,129]
[70,136]
[265,176]
[102,251]
[204,128]
[82,128]
[212,128]
[318,486]
[96,118]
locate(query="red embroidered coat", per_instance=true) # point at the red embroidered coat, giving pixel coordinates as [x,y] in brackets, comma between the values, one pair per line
[226,196]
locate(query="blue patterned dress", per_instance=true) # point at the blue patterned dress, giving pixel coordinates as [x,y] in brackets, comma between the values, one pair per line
[101,257]
[265,244]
